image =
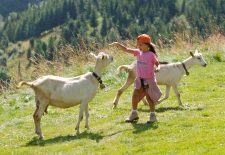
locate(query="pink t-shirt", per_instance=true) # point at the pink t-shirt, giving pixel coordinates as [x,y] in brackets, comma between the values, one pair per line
[145,64]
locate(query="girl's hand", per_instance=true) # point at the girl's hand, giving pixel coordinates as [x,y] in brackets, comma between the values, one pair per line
[157,69]
[114,44]
[121,47]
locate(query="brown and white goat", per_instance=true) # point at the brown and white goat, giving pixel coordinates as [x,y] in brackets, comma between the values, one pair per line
[169,75]
[67,92]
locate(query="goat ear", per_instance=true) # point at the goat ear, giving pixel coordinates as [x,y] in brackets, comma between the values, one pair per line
[191,54]
[92,54]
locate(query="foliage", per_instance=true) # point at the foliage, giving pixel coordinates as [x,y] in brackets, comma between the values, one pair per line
[219,56]
[3,41]
[4,77]
[128,18]
[3,61]
[8,6]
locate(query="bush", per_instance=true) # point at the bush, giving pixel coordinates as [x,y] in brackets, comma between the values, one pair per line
[3,61]
[4,78]
[219,56]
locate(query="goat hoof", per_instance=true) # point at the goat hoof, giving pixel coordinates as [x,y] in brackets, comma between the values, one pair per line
[38,132]
[41,137]
[181,106]
[115,106]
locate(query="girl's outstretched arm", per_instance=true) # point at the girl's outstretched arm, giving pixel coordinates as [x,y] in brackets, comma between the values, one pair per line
[122,47]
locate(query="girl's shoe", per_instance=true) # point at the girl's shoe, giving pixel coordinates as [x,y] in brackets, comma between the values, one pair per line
[152,118]
[133,117]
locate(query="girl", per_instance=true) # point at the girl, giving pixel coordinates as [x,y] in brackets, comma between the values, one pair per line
[145,83]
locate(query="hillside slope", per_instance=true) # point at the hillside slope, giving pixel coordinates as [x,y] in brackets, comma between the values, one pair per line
[7,6]
[201,119]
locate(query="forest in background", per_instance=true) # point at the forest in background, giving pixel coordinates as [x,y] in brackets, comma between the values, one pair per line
[93,23]
[108,19]
[8,6]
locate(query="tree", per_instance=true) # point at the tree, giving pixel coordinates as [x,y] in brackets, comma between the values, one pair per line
[104,27]
[183,7]
[4,77]
[31,41]
[94,17]
[29,53]
[40,49]
[51,49]
[4,41]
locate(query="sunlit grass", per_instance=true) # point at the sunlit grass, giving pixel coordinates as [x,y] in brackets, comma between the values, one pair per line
[197,128]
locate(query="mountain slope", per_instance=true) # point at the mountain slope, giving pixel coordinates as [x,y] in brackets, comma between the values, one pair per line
[7,6]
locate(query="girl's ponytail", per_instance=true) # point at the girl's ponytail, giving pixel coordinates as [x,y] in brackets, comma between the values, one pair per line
[152,49]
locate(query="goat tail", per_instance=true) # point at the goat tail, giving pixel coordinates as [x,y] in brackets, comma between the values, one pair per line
[126,68]
[21,83]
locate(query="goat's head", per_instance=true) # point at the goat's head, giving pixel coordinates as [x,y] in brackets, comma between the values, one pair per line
[102,59]
[198,58]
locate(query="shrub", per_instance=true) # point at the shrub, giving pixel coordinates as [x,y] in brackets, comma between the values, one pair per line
[4,79]
[219,56]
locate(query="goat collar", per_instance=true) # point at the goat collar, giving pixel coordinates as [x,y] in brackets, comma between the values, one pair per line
[187,73]
[102,86]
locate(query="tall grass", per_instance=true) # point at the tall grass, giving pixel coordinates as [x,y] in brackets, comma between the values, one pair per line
[197,128]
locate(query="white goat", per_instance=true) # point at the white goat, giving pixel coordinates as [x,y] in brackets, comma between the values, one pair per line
[67,92]
[169,75]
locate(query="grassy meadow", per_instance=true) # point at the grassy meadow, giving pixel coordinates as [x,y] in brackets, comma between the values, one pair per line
[196,128]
